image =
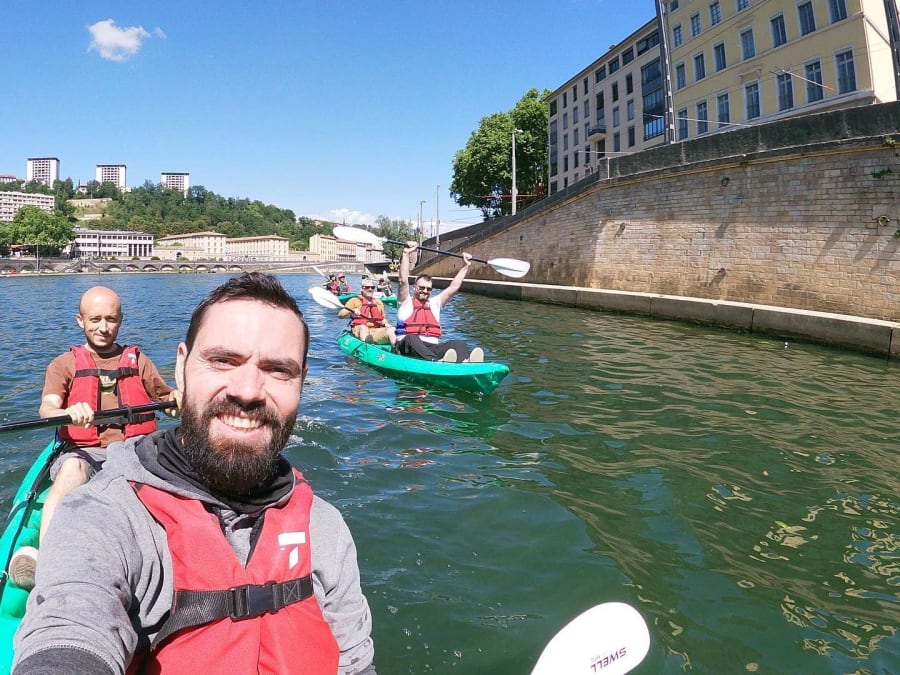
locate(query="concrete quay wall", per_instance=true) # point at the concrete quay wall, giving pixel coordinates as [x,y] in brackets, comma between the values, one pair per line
[790,224]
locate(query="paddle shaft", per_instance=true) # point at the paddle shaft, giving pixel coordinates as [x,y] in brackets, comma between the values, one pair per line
[99,416]
[437,250]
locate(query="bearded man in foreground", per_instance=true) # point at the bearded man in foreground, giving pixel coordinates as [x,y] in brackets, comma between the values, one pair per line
[199,548]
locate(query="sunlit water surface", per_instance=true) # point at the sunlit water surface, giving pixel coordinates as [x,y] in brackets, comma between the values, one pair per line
[741,492]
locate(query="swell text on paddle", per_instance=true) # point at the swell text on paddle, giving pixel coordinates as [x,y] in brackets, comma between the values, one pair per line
[598,663]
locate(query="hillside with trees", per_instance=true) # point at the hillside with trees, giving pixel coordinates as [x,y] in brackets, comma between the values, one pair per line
[156,210]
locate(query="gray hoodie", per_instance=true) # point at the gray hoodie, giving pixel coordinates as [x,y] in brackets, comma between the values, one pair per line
[104,582]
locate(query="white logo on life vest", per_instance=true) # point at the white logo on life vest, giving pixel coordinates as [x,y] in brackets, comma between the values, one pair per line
[294,539]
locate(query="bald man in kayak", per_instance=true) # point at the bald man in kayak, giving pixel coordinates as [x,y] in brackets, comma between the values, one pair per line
[98,375]
[200,548]
[419,314]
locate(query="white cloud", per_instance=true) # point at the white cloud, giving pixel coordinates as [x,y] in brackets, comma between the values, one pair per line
[118,44]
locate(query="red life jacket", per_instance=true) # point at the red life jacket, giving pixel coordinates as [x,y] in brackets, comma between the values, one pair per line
[86,389]
[422,320]
[369,313]
[259,636]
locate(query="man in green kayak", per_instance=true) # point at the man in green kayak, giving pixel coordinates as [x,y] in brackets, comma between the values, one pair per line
[199,548]
[369,322]
[419,316]
[98,375]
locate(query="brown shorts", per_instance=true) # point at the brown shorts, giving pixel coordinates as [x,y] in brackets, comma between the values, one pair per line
[380,335]
[93,457]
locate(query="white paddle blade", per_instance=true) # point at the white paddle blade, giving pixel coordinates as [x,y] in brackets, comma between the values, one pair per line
[510,267]
[325,298]
[608,639]
[355,234]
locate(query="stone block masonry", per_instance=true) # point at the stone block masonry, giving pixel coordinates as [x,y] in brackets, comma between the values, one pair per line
[798,214]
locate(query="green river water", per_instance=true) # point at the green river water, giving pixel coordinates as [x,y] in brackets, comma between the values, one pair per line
[741,492]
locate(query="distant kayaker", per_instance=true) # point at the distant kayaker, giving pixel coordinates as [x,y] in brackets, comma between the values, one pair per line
[98,375]
[331,284]
[369,322]
[199,548]
[343,285]
[419,315]
[384,285]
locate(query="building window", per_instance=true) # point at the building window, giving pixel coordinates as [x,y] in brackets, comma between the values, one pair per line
[724,110]
[719,56]
[615,92]
[748,46]
[613,65]
[751,97]
[837,9]
[565,142]
[600,74]
[695,25]
[629,108]
[575,115]
[785,91]
[647,43]
[587,108]
[779,34]
[565,121]
[575,137]
[715,14]
[742,4]
[699,67]
[673,5]
[616,116]
[814,89]
[565,164]
[846,73]
[617,142]
[628,56]
[629,84]
[630,137]
[677,38]
[682,124]
[680,77]
[600,104]
[702,117]
[807,18]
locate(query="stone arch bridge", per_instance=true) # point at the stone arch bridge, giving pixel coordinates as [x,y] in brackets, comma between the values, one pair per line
[12,266]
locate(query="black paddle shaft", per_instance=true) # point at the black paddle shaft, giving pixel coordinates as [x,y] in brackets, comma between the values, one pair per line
[437,250]
[125,413]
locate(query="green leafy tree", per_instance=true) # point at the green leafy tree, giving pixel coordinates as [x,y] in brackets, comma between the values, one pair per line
[397,230]
[32,226]
[482,171]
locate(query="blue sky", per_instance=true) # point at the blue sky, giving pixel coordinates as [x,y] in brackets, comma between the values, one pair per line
[337,110]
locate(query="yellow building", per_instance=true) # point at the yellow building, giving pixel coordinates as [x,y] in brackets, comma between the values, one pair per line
[266,247]
[192,245]
[737,62]
[328,247]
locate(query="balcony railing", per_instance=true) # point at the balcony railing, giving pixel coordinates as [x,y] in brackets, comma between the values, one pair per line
[597,132]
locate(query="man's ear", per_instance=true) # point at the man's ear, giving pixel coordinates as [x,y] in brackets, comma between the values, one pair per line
[180,358]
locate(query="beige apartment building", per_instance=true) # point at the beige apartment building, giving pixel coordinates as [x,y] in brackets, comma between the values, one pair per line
[266,247]
[740,62]
[42,169]
[328,247]
[192,245]
[174,180]
[614,106]
[10,202]
[112,173]
[712,65]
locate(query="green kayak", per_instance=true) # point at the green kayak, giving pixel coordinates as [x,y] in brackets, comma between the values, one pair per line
[22,527]
[476,377]
[390,300]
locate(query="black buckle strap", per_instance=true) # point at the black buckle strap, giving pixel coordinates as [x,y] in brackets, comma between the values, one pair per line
[196,608]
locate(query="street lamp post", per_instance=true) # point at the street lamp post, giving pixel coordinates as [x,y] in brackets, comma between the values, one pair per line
[421,204]
[515,192]
[437,217]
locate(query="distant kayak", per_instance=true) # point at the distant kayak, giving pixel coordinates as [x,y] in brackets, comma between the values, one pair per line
[386,299]
[476,377]
[21,529]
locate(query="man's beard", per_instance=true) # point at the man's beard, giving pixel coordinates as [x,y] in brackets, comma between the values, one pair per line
[227,467]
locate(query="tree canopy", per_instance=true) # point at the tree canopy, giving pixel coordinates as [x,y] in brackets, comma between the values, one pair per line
[32,226]
[482,171]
